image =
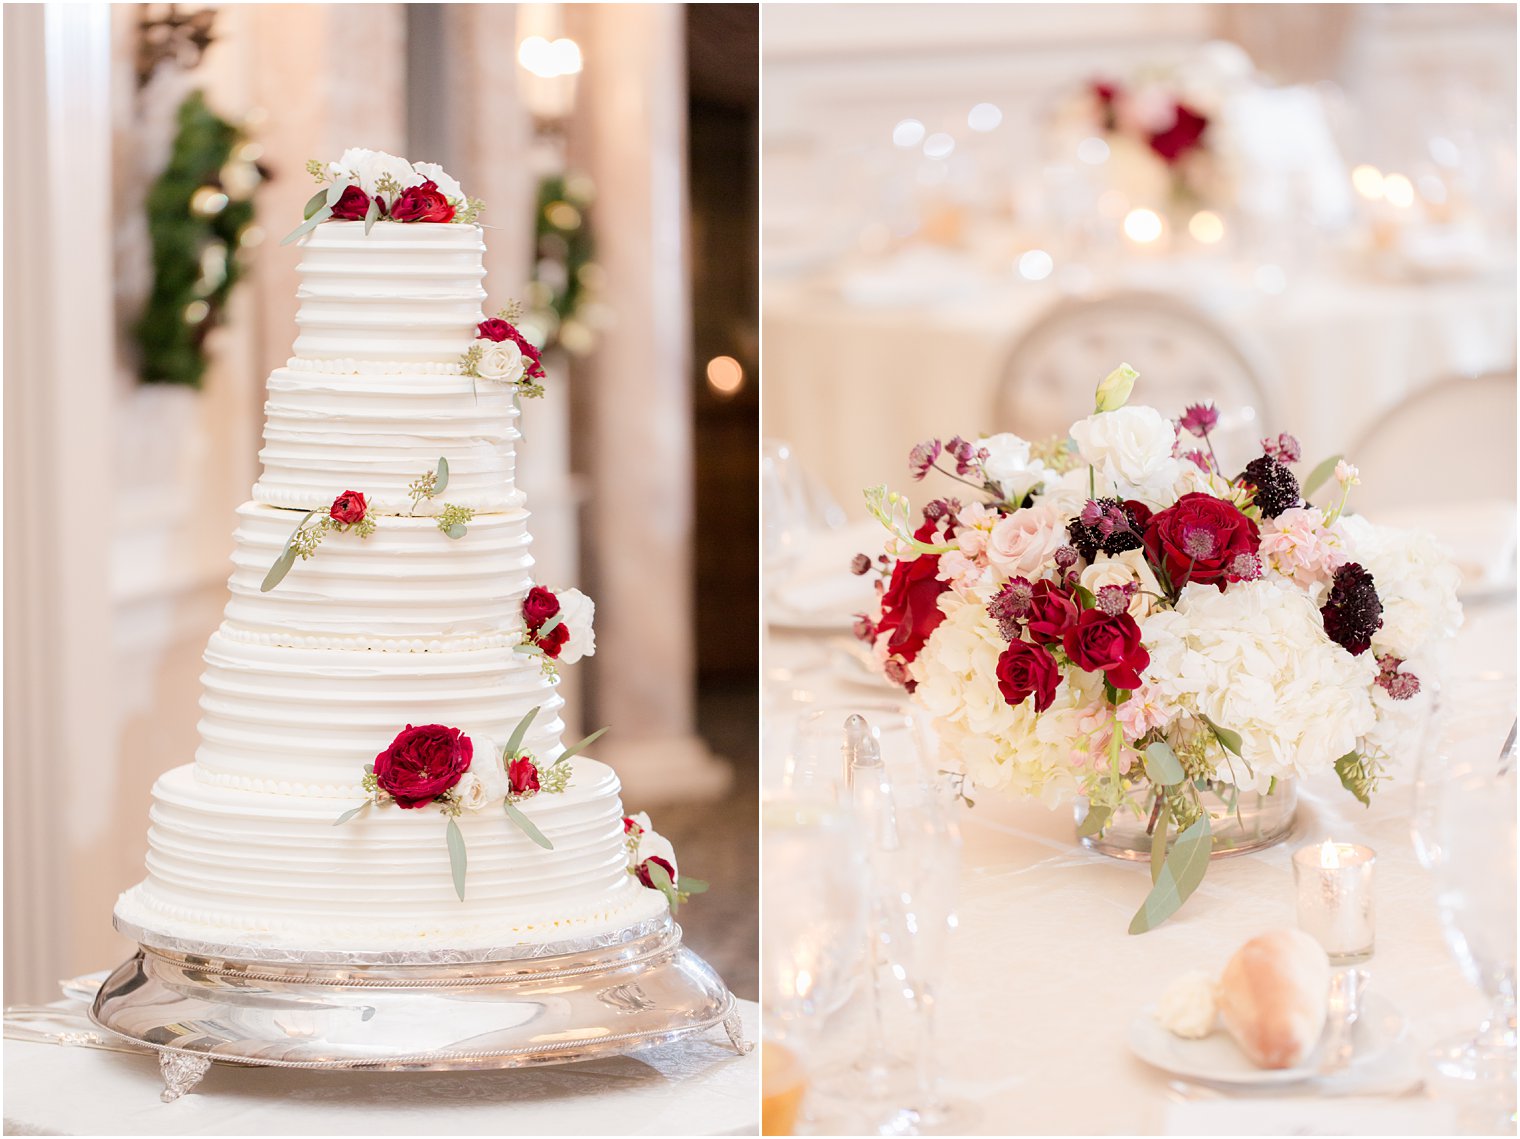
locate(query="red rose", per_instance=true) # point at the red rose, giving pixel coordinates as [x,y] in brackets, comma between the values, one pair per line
[631,827]
[539,606]
[1051,612]
[643,871]
[1025,668]
[1107,643]
[348,508]
[422,763]
[498,330]
[422,203]
[909,607]
[1185,133]
[353,205]
[1198,539]
[522,773]
[554,640]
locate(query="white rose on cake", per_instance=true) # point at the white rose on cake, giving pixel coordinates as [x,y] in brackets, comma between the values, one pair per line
[1008,464]
[501,361]
[447,185]
[1131,447]
[645,843]
[578,612]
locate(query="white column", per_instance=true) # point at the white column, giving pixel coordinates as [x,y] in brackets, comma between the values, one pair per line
[61,372]
[636,417]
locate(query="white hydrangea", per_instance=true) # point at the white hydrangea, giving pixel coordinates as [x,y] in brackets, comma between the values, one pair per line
[579,611]
[1255,659]
[447,185]
[996,745]
[1008,464]
[1416,583]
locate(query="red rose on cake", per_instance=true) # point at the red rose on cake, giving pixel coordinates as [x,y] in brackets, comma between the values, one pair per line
[348,508]
[1198,539]
[647,879]
[567,639]
[422,203]
[423,763]
[522,774]
[498,331]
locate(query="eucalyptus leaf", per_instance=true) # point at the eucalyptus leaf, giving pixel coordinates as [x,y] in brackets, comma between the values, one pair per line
[443,477]
[1228,739]
[1158,843]
[346,815]
[315,203]
[1353,777]
[528,650]
[551,624]
[576,749]
[525,825]
[661,879]
[280,568]
[1162,765]
[1097,818]
[457,859]
[1183,870]
[308,225]
[456,531]
[371,215]
[1320,475]
[335,191]
[514,741]
[693,885]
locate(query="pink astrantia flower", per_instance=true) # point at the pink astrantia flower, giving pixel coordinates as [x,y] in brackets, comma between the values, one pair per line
[922,457]
[1199,419]
[1284,448]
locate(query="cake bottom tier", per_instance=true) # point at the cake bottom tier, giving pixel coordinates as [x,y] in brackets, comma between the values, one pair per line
[246,868]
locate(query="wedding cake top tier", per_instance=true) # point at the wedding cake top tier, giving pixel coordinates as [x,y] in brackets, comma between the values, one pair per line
[399,293]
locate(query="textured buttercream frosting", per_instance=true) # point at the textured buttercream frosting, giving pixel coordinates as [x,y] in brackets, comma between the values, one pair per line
[241,867]
[398,293]
[309,682]
[379,433]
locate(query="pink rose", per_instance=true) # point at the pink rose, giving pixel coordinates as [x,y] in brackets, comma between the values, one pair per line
[1025,542]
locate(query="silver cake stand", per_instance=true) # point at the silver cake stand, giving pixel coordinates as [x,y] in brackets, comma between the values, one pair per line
[194,1003]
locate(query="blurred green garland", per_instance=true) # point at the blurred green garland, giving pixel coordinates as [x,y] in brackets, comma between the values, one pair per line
[197,213]
[566,277]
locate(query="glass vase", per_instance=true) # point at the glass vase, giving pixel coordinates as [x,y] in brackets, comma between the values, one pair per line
[1240,821]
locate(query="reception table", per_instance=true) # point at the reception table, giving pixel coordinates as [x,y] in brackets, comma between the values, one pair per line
[853,381]
[1045,980]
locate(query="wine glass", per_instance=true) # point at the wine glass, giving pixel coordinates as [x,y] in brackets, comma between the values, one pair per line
[818,759]
[1464,833]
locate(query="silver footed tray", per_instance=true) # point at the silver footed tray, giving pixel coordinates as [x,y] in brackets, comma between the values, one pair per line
[195,1003]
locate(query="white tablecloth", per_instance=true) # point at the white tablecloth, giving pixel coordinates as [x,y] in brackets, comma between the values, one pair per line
[1045,979]
[853,387]
[691,1087]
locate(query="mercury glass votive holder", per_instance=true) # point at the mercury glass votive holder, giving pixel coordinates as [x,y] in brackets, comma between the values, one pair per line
[1334,886]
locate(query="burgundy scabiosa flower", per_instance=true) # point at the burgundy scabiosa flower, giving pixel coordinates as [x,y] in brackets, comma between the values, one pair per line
[1274,486]
[1110,525]
[1353,611]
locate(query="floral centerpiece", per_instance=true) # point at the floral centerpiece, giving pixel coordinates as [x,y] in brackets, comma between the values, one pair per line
[1112,619]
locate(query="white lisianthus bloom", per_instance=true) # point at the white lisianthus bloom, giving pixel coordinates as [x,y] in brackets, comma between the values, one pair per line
[1068,493]
[501,361]
[995,744]
[368,167]
[579,611]
[1024,543]
[1009,466]
[438,176]
[1256,659]
[1131,447]
[1121,569]
[1415,581]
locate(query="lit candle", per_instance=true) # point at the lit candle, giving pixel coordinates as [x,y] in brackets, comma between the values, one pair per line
[1334,883]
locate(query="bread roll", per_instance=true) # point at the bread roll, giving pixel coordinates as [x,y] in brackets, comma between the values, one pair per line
[1273,995]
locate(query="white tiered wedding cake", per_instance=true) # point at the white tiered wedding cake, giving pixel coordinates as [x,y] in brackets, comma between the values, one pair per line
[385,647]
